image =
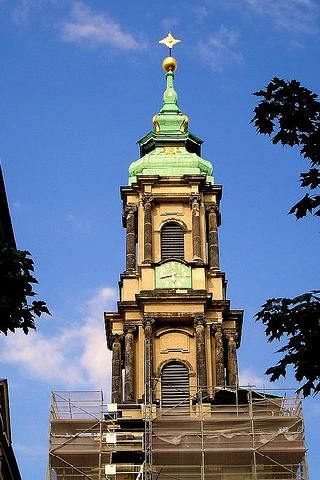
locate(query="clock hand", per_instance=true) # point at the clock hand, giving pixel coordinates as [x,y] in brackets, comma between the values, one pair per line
[167,276]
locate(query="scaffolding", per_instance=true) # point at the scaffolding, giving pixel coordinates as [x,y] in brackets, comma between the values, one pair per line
[229,434]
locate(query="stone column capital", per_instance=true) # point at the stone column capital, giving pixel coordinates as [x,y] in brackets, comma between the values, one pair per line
[216,328]
[147,198]
[117,337]
[212,208]
[148,323]
[199,320]
[231,334]
[129,209]
[195,199]
[129,327]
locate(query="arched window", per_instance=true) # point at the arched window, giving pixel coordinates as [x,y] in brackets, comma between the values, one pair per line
[175,385]
[172,241]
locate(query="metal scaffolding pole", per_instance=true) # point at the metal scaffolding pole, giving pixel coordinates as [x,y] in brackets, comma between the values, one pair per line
[253,435]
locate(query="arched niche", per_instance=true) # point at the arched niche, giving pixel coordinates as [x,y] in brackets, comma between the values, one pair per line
[172,240]
[175,384]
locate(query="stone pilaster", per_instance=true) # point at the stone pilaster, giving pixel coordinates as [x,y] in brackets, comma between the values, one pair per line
[147,203]
[199,324]
[219,357]
[116,370]
[232,373]
[148,323]
[213,244]
[129,215]
[196,233]
[129,330]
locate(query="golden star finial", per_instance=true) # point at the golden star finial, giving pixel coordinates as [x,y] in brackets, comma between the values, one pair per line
[169,41]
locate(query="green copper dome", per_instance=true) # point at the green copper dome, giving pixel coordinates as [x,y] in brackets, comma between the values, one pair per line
[170,149]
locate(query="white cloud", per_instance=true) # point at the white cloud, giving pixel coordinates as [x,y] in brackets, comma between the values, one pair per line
[200,12]
[290,15]
[31,450]
[85,25]
[74,357]
[77,222]
[22,11]
[27,9]
[249,377]
[168,23]
[219,49]
[20,206]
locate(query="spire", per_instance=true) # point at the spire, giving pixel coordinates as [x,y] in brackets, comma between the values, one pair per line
[170,119]
[170,149]
[170,97]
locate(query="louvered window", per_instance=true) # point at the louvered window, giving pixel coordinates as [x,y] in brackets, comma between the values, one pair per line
[172,241]
[175,385]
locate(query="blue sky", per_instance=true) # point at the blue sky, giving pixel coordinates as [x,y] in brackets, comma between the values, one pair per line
[80,82]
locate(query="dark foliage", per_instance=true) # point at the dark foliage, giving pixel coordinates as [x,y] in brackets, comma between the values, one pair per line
[291,114]
[298,320]
[16,279]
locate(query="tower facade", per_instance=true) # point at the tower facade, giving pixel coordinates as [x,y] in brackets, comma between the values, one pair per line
[172,293]
[176,408]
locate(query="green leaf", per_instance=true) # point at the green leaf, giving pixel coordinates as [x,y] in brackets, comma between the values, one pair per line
[16,277]
[296,322]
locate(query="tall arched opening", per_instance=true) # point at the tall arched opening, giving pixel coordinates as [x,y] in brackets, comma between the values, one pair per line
[175,387]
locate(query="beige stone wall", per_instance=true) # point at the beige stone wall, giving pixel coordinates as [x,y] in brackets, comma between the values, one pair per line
[171,202]
[174,333]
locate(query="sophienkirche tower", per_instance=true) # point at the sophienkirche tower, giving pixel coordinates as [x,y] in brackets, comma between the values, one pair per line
[172,293]
[176,409]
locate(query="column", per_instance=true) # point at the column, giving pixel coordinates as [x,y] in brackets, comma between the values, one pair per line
[116,370]
[147,203]
[148,323]
[232,374]
[129,362]
[219,357]
[199,324]
[196,234]
[129,216]
[213,245]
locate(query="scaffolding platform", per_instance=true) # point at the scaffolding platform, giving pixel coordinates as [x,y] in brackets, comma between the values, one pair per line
[238,434]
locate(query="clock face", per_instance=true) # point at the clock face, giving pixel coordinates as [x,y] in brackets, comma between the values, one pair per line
[173,275]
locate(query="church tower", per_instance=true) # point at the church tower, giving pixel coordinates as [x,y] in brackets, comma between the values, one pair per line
[174,334]
[176,411]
